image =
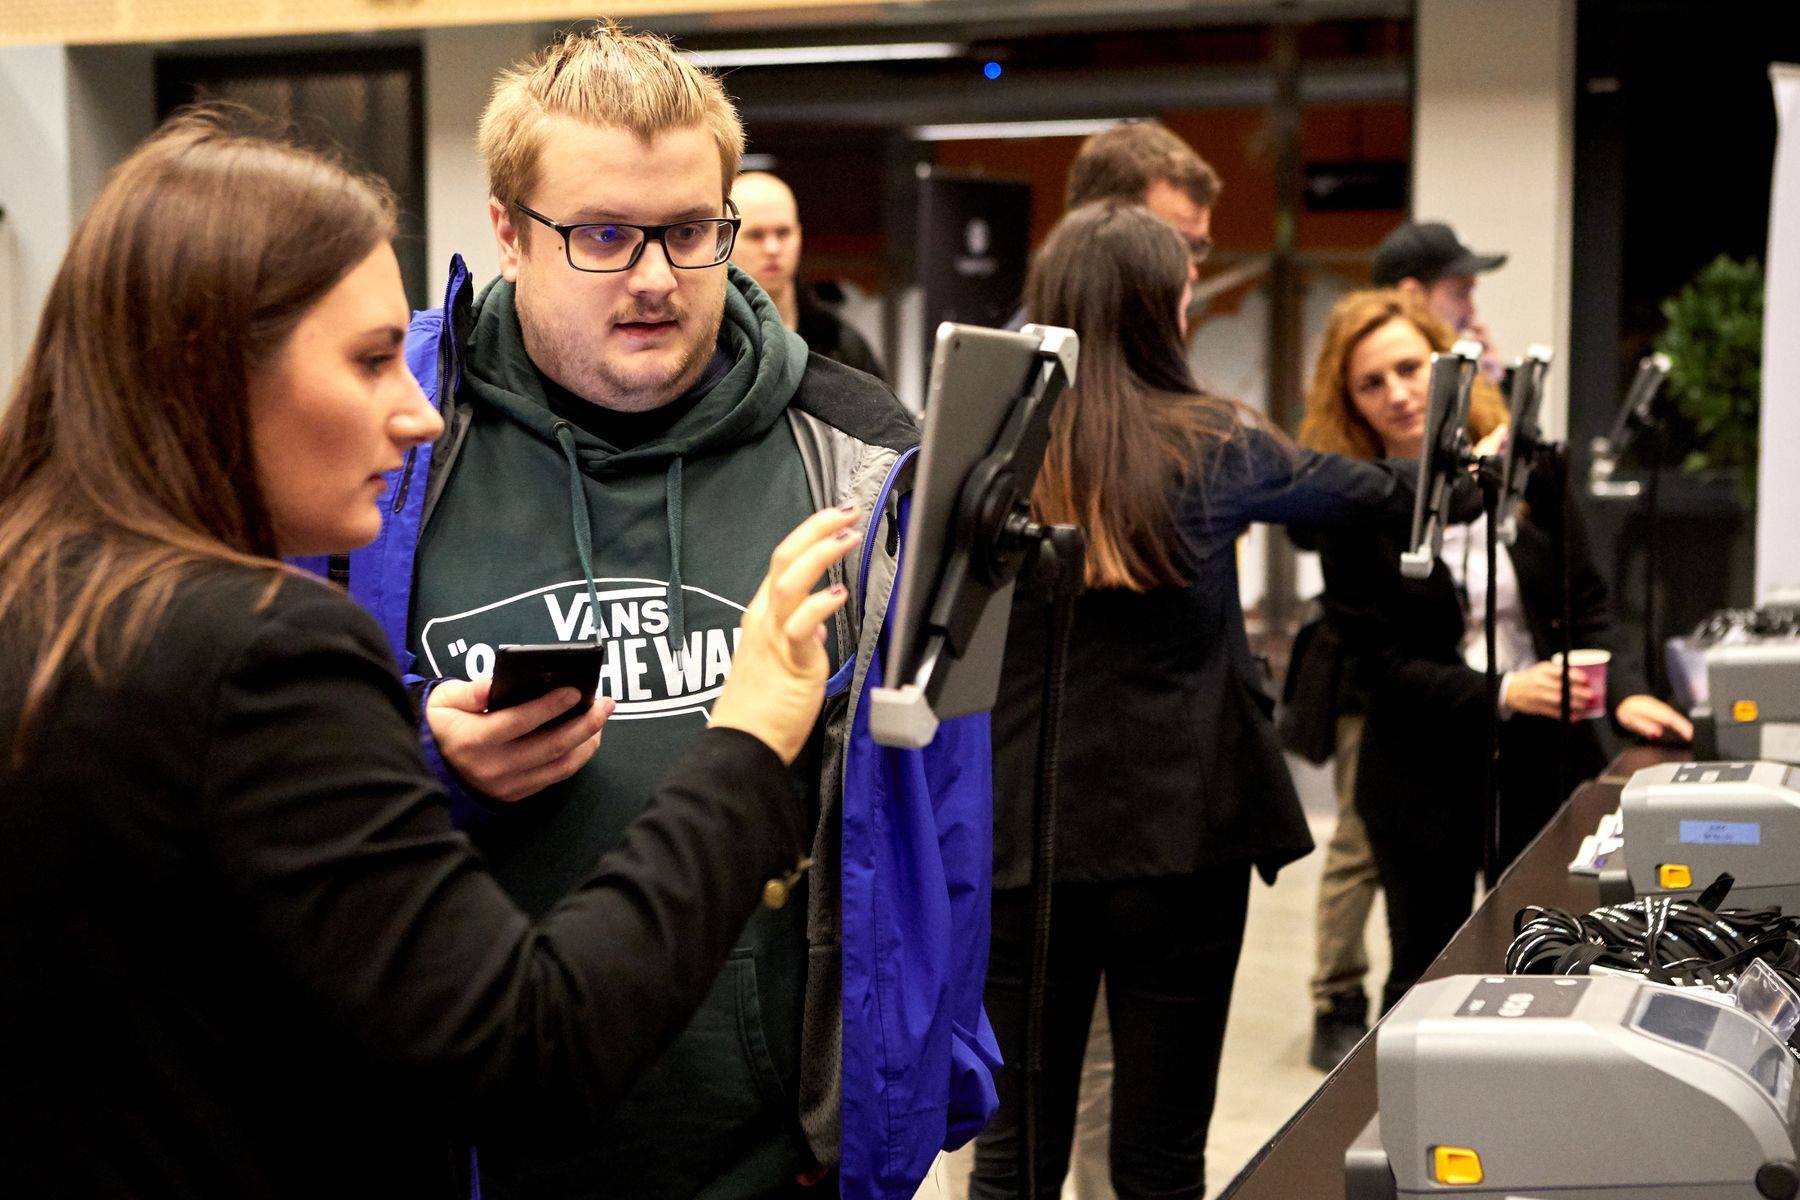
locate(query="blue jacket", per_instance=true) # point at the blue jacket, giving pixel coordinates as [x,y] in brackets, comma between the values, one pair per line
[910,874]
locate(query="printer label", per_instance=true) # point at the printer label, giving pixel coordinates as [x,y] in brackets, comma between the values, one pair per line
[1721,833]
[1518,996]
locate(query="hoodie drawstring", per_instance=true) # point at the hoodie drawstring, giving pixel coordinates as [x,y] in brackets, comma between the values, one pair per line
[584,540]
[584,532]
[676,596]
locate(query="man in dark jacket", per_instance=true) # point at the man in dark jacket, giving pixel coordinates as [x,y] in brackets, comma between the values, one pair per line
[768,247]
[630,429]
[1427,260]
[1147,163]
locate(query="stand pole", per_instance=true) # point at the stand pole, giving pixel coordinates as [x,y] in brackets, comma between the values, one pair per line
[1490,784]
[1060,562]
[1653,664]
[1565,574]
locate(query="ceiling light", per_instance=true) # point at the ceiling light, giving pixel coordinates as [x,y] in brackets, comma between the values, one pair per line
[1010,129]
[796,56]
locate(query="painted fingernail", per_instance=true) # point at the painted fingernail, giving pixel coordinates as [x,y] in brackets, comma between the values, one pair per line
[848,506]
[845,535]
[838,589]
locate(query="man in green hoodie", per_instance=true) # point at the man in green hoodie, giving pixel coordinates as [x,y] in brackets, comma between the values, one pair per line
[627,433]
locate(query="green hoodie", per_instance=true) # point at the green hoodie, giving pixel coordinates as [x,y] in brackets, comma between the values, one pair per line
[667,545]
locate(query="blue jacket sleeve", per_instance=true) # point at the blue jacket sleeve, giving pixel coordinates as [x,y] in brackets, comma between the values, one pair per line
[919,1055]
[1257,477]
[467,810]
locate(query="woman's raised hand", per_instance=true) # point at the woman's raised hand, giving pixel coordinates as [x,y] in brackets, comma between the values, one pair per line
[777,681]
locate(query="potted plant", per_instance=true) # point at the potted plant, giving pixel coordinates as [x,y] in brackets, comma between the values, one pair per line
[1714,340]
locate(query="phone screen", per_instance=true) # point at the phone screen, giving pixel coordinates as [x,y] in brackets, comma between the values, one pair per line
[523,673]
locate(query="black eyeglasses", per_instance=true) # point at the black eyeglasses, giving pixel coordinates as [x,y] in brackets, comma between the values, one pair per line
[605,246]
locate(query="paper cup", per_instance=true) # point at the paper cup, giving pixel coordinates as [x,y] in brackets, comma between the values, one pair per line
[1591,666]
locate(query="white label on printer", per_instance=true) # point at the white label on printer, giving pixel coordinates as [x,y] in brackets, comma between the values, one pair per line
[1722,833]
[1781,742]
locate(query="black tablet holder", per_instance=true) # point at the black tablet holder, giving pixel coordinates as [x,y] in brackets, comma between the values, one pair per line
[1640,414]
[1446,455]
[994,539]
[1443,455]
[991,540]
[1525,443]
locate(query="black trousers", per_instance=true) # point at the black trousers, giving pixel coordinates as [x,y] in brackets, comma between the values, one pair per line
[1168,948]
[1430,892]
[1428,874]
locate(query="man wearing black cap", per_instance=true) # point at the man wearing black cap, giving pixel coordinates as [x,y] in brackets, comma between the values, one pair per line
[1429,261]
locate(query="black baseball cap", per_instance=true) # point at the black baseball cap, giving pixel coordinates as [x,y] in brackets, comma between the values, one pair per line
[1427,251]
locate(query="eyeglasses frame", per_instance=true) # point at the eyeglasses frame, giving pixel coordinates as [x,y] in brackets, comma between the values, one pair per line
[652,233]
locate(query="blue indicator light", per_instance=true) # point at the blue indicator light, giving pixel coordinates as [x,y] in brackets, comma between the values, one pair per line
[992,70]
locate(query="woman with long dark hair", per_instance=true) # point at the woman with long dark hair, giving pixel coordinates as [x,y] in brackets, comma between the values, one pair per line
[1416,648]
[242,951]
[1171,785]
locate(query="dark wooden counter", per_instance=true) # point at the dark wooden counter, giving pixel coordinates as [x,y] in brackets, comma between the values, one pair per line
[1305,1158]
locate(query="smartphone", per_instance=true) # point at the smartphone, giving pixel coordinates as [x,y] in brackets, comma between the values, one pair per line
[523,673]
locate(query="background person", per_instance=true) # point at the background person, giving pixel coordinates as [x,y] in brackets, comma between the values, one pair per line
[1428,262]
[630,430]
[1416,649]
[1142,162]
[1154,853]
[1145,162]
[768,247]
[242,951]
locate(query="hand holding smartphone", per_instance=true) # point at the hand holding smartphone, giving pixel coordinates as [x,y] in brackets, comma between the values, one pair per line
[523,673]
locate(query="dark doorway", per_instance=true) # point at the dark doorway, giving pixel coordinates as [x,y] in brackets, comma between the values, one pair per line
[367,106]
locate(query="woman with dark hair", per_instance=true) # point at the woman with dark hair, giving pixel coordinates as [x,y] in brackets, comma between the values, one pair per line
[1417,650]
[242,951]
[1171,785]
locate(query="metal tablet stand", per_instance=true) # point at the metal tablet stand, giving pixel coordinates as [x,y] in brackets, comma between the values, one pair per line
[1525,445]
[1444,454]
[1502,483]
[1524,397]
[1639,413]
[991,539]
[994,540]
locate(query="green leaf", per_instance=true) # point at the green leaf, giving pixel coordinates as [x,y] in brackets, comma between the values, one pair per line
[1714,340]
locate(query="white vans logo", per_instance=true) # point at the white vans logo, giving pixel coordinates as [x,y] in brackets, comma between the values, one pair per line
[644,672]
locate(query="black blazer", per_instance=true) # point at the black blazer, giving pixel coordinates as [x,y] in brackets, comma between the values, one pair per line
[243,954]
[1169,762]
[1426,711]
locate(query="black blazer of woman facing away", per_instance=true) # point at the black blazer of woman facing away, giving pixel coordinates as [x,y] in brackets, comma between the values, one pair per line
[1416,648]
[1171,784]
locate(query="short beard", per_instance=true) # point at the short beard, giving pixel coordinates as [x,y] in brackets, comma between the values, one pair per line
[561,354]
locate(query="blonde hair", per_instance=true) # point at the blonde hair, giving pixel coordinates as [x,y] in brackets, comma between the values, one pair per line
[608,77]
[1332,422]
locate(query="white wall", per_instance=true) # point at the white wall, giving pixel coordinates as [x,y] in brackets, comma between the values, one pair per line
[460,66]
[34,187]
[1777,487]
[67,115]
[1493,155]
